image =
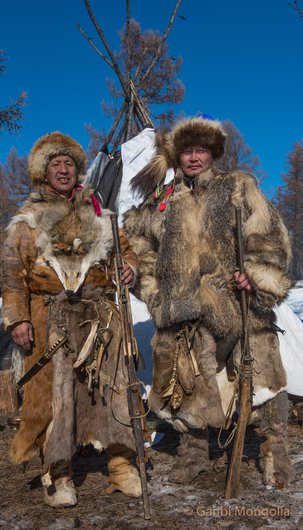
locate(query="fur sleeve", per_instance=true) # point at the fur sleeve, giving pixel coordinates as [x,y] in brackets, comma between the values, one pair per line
[267,244]
[127,252]
[17,249]
[138,224]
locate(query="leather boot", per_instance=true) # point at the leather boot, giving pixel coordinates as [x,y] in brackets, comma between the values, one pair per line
[59,489]
[193,456]
[123,474]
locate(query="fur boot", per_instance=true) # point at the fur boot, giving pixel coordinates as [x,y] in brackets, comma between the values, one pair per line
[193,457]
[275,463]
[123,474]
[59,489]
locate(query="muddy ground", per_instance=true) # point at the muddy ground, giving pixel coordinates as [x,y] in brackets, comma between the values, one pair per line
[200,505]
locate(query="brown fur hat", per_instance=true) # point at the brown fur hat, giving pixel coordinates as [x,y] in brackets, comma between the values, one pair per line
[51,145]
[197,131]
[170,145]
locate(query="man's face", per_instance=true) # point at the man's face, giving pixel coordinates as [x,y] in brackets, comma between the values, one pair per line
[61,174]
[195,159]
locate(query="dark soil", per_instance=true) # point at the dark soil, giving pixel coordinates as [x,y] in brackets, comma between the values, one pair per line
[200,505]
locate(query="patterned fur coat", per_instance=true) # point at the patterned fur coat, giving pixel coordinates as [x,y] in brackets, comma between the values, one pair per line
[187,256]
[52,246]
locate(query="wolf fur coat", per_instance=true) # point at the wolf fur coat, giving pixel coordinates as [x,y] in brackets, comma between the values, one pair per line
[55,246]
[187,256]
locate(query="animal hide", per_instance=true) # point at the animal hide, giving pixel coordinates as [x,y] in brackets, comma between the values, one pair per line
[53,248]
[78,417]
[187,254]
[71,238]
[185,405]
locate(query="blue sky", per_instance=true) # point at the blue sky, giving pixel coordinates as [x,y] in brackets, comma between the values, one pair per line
[242,60]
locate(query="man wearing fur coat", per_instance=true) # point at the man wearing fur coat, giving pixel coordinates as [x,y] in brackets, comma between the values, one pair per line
[58,286]
[184,237]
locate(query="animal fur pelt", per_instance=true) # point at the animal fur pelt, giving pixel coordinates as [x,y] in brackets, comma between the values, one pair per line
[179,395]
[70,237]
[53,245]
[189,398]
[187,254]
[100,418]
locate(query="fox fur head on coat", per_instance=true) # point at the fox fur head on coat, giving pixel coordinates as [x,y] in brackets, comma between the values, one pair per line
[70,237]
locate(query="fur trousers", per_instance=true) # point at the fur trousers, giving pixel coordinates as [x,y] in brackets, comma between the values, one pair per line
[271,417]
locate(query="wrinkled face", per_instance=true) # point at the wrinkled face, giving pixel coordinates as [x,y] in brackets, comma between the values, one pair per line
[61,174]
[195,159]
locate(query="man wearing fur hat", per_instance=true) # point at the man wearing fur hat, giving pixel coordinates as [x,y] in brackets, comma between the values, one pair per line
[184,237]
[59,251]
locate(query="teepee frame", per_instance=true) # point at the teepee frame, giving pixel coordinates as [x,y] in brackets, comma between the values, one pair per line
[133,110]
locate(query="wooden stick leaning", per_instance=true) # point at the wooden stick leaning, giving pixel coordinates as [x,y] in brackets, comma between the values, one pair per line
[129,351]
[245,381]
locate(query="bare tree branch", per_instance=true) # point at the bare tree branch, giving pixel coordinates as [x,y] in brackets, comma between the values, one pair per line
[119,137]
[129,117]
[90,40]
[3,59]
[130,99]
[126,87]
[297,8]
[145,71]
[11,115]
[106,45]
[116,123]
[159,51]
[140,105]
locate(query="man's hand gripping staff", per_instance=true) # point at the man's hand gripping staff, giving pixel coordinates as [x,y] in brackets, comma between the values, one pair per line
[245,382]
[130,351]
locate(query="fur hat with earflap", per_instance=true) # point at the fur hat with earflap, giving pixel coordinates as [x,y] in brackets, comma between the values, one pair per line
[205,132]
[50,145]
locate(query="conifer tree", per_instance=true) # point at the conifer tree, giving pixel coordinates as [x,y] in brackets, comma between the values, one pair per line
[289,201]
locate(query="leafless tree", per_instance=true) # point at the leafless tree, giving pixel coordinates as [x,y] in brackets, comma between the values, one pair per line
[296,5]
[5,213]
[289,201]
[15,186]
[17,178]
[11,115]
